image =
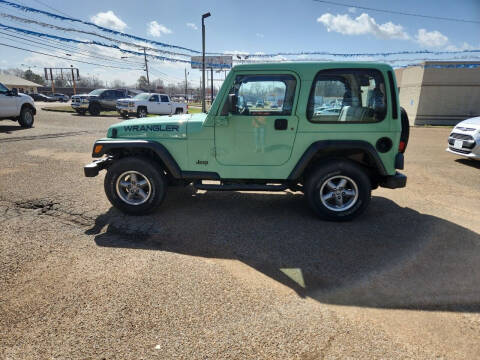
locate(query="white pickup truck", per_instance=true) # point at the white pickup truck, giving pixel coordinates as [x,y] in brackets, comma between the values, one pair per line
[16,107]
[150,103]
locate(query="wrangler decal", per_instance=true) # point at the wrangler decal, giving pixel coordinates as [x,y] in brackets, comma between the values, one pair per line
[161,127]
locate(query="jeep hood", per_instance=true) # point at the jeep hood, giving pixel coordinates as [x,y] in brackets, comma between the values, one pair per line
[155,128]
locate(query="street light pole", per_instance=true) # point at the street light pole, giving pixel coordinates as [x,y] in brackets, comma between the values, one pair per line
[146,67]
[204,16]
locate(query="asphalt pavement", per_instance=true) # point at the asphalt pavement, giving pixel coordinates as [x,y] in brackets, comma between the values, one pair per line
[231,275]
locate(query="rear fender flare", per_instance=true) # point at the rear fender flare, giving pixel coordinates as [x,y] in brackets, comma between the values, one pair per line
[332,145]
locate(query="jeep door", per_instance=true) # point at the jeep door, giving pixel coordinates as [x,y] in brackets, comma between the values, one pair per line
[260,128]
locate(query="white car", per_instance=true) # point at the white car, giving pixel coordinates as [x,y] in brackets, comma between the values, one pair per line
[150,103]
[16,107]
[464,140]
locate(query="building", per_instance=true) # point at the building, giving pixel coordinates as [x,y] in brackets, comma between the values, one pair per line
[440,92]
[22,85]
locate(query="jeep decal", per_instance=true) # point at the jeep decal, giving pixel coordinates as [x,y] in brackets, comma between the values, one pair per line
[161,127]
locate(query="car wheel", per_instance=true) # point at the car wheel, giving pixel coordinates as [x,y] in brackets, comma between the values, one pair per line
[179,111]
[26,118]
[135,186]
[142,112]
[338,190]
[124,115]
[94,109]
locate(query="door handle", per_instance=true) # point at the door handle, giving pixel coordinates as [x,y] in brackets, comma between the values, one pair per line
[281,124]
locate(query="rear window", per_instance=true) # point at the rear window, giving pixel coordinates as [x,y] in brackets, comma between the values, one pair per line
[347,96]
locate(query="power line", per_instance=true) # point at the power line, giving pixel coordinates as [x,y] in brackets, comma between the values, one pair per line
[397,12]
[69,50]
[66,58]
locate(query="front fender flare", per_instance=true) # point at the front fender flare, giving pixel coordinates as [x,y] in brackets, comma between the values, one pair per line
[109,146]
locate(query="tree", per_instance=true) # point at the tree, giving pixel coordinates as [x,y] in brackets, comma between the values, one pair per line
[142,82]
[31,76]
[117,84]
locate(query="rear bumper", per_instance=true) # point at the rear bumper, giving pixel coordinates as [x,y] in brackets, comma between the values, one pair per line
[92,169]
[394,181]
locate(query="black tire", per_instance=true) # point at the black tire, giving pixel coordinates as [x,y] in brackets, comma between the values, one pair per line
[26,118]
[144,169]
[94,109]
[124,115]
[179,111]
[142,112]
[319,183]
[405,135]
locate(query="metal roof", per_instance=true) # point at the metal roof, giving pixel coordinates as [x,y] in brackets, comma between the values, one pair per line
[15,81]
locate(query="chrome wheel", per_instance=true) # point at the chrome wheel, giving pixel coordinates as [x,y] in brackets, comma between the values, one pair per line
[28,117]
[133,188]
[142,113]
[339,193]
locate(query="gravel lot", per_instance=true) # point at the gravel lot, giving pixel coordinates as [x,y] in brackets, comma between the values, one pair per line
[231,275]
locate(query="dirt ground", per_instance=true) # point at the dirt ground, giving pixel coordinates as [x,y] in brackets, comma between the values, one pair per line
[231,275]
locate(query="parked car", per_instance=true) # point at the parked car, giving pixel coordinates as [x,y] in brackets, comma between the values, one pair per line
[16,107]
[59,97]
[464,140]
[97,101]
[41,97]
[336,160]
[150,103]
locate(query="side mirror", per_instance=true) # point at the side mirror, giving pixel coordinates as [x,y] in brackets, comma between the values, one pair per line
[232,103]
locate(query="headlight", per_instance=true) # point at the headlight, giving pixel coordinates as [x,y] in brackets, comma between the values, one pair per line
[131,104]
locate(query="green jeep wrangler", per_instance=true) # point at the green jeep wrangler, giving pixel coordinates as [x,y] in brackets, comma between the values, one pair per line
[334,131]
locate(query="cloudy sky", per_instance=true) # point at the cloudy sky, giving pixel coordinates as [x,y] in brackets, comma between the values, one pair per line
[239,27]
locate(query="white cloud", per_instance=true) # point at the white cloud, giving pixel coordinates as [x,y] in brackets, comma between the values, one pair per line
[432,39]
[193,26]
[464,46]
[108,19]
[363,24]
[155,29]
[352,10]
[260,35]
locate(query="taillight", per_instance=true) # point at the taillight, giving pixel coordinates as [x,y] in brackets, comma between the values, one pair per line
[402,146]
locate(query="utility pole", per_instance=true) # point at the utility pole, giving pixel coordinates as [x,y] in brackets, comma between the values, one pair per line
[204,16]
[186,86]
[211,92]
[73,80]
[146,67]
[53,85]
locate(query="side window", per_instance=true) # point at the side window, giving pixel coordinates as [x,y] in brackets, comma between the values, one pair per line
[3,89]
[109,94]
[264,94]
[347,95]
[154,98]
[164,98]
[119,94]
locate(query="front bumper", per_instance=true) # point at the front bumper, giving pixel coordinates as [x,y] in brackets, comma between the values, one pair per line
[92,169]
[81,105]
[394,181]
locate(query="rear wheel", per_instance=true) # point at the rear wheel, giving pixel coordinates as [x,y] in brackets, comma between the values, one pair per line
[26,117]
[338,190]
[179,111]
[135,186]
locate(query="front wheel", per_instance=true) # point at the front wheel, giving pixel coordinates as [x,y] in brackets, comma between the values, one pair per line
[142,112]
[135,186]
[339,190]
[94,109]
[26,118]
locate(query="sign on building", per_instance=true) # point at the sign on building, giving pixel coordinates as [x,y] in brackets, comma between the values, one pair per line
[215,62]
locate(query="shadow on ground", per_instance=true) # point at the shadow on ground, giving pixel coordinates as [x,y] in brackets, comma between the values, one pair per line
[8,129]
[391,257]
[469,162]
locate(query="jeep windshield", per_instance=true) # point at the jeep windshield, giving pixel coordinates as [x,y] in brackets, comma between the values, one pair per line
[142,96]
[96,92]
